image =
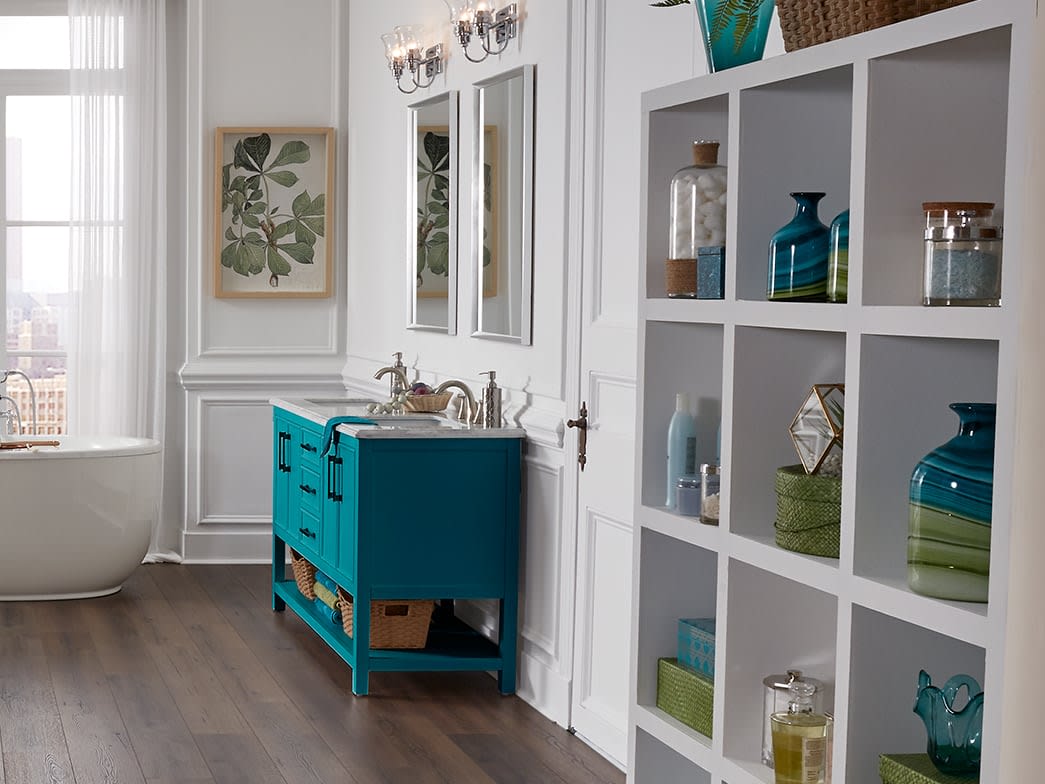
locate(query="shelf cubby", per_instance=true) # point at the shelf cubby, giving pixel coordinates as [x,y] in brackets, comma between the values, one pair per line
[663,764]
[675,130]
[887,655]
[937,123]
[774,624]
[898,423]
[795,135]
[684,585]
[680,358]
[773,372]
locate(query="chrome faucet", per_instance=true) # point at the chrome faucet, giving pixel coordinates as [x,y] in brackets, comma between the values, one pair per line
[4,375]
[473,407]
[399,382]
[13,417]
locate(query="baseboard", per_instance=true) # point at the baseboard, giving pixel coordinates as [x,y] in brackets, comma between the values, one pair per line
[227,547]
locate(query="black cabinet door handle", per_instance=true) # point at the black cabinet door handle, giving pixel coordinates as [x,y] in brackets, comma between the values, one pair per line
[334,479]
[282,452]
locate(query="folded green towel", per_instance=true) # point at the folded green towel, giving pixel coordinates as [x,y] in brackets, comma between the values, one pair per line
[325,595]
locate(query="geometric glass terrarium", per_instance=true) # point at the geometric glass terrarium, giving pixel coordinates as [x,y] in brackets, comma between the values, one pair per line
[817,428]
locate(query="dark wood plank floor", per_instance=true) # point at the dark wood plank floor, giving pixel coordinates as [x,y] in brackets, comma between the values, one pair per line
[187,677]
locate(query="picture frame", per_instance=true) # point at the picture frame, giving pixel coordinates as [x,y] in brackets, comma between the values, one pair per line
[491,198]
[273,212]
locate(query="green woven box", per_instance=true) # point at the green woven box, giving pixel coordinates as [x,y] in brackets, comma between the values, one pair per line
[915,769]
[808,512]
[688,697]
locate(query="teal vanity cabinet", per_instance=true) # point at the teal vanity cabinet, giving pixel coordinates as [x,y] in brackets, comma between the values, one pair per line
[402,514]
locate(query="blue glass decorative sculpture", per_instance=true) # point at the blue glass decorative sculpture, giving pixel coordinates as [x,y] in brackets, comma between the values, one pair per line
[954,735]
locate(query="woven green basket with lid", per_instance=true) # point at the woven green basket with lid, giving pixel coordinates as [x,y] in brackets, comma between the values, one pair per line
[915,769]
[808,512]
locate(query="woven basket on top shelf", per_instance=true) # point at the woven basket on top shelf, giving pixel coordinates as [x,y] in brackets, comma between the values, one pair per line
[304,575]
[394,623]
[808,22]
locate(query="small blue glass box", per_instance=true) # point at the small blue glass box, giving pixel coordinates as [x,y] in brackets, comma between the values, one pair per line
[711,272]
[696,645]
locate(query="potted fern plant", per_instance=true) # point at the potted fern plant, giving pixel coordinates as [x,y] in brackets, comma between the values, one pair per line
[734,31]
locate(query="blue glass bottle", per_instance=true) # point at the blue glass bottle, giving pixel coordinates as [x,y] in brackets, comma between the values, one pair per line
[838,259]
[734,32]
[949,526]
[798,254]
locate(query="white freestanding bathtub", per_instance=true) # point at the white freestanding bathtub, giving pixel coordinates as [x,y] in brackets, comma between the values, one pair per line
[75,520]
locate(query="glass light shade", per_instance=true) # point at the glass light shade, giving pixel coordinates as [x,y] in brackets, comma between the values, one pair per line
[817,428]
[482,6]
[460,10]
[410,37]
[391,42]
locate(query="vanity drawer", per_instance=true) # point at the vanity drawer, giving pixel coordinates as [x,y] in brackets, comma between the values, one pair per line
[308,489]
[307,446]
[310,529]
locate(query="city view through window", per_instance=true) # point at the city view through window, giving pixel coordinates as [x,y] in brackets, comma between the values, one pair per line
[36,213]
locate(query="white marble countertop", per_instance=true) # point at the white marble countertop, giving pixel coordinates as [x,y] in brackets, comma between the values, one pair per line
[407,425]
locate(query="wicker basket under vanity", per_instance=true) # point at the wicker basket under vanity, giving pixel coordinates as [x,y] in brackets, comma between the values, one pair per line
[304,575]
[395,623]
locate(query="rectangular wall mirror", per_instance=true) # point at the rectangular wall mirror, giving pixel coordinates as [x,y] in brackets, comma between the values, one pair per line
[432,213]
[502,206]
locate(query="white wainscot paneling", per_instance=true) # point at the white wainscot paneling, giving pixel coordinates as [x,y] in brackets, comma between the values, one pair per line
[235,461]
[541,553]
[608,551]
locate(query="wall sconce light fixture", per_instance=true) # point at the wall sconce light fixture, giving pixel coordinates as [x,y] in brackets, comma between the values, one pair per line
[475,18]
[405,52]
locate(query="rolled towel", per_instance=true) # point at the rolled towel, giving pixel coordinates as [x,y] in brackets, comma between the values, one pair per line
[333,615]
[326,581]
[325,595]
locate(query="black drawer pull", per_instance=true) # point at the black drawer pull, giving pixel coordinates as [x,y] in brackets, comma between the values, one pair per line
[308,533]
[307,489]
[309,447]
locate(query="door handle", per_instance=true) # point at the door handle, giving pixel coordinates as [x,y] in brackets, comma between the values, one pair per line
[581,423]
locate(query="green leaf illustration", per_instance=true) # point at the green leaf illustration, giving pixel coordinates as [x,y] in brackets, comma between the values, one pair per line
[285,178]
[291,153]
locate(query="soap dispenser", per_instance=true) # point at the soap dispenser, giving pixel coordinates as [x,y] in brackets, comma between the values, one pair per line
[490,402]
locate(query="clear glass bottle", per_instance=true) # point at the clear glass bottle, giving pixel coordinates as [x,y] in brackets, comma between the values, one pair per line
[709,493]
[800,739]
[697,217]
[962,264]
[776,695]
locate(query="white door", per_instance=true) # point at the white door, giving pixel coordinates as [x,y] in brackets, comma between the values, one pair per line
[621,50]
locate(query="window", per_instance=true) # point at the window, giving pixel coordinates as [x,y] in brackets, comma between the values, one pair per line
[34,239]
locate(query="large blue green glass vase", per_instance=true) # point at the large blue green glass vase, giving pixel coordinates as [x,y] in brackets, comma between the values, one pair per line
[734,31]
[798,254]
[949,526]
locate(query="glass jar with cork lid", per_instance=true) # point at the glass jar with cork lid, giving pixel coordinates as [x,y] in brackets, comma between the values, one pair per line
[697,217]
[962,261]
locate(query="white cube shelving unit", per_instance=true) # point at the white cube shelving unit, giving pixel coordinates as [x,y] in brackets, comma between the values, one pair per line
[934,108]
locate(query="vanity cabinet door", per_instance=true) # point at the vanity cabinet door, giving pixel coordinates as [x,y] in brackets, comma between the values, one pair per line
[282,471]
[346,513]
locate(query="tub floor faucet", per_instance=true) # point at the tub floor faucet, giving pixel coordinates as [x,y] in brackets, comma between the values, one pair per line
[4,376]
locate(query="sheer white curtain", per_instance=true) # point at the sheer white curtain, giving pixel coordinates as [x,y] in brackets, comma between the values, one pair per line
[118,246]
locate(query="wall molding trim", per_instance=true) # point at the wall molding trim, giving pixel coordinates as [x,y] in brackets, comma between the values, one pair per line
[258,373]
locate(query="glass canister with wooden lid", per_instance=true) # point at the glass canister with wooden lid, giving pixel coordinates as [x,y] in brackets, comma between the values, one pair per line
[962,262]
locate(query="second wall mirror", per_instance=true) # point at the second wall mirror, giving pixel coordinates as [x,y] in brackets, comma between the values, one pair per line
[502,206]
[432,213]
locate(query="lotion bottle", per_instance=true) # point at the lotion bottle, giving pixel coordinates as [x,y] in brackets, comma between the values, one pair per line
[682,447]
